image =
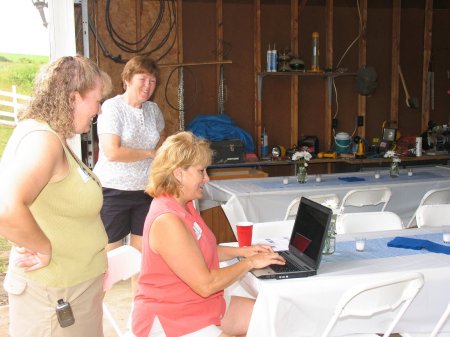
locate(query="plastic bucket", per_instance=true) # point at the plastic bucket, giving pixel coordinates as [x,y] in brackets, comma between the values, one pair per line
[342,140]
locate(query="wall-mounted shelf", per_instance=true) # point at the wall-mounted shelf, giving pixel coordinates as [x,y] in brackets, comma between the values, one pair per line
[328,75]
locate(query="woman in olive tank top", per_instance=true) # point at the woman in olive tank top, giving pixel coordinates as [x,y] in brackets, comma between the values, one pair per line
[50,208]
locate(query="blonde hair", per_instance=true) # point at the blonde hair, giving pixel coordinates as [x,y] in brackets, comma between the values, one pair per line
[52,99]
[182,150]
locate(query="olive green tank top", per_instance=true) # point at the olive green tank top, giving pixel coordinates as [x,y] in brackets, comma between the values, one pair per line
[68,211]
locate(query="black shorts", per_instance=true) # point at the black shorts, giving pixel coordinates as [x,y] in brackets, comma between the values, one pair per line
[124,212]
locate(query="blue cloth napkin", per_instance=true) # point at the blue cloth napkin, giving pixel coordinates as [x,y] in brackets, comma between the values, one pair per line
[417,244]
[351,179]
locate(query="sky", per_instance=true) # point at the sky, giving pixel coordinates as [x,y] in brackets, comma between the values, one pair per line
[21,29]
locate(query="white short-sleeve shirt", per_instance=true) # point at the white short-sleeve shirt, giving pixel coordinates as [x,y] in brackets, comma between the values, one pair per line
[138,129]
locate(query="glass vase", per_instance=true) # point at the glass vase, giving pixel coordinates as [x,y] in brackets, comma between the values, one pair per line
[394,170]
[302,175]
[329,246]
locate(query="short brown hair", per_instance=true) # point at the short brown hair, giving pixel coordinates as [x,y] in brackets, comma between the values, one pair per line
[182,149]
[139,65]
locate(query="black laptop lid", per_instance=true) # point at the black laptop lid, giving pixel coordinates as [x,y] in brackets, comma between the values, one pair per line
[310,229]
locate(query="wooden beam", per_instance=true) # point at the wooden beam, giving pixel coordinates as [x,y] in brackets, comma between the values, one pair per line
[395,47]
[427,34]
[329,33]
[219,31]
[362,61]
[180,59]
[180,51]
[257,70]
[294,79]
[219,40]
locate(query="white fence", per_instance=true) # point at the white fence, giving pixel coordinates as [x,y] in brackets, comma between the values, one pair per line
[10,104]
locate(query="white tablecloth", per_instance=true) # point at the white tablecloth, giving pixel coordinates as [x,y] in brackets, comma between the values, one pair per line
[302,307]
[266,199]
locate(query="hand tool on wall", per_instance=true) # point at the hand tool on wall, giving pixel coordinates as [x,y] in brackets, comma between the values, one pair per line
[411,102]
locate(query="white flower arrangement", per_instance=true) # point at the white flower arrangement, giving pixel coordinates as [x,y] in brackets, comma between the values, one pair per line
[394,157]
[331,203]
[301,158]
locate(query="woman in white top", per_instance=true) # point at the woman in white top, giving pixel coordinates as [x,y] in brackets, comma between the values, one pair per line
[130,130]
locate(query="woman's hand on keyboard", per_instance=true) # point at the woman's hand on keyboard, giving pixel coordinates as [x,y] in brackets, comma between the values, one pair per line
[262,260]
[255,249]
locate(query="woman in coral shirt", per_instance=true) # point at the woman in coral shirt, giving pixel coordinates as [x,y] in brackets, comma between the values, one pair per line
[180,288]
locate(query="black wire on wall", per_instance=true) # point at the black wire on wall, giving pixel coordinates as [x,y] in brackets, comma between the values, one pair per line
[146,40]
[194,95]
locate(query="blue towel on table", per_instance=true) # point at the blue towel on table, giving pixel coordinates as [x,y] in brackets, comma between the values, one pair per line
[351,179]
[417,244]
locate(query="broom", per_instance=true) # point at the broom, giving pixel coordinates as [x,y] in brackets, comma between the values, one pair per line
[411,102]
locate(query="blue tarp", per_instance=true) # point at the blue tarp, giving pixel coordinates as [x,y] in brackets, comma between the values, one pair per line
[220,127]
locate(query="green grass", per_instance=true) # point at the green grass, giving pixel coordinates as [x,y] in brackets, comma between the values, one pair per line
[19,70]
[5,133]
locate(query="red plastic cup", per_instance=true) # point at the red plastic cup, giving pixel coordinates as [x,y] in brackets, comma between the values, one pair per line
[244,233]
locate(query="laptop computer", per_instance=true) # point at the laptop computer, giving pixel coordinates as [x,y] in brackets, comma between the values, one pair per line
[305,245]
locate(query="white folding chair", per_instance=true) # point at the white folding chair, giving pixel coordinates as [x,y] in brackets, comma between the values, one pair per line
[433,215]
[123,263]
[292,209]
[441,322]
[367,222]
[322,198]
[366,301]
[365,199]
[432,197]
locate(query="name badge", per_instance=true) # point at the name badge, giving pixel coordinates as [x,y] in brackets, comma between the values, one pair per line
[197,230]
[83,175]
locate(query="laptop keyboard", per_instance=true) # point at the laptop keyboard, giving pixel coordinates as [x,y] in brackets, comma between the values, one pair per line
[288,267]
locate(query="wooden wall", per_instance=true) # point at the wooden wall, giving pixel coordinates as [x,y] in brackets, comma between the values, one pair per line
[131,20]
[217,30]
[199,22]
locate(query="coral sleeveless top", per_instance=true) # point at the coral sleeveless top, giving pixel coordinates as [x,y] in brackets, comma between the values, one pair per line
[162,293]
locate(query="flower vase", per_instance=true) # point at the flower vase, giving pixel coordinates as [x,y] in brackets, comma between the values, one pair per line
[302,175]
[329,246]
[394,170]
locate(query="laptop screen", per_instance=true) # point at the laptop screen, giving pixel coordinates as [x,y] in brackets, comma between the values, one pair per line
[310,226]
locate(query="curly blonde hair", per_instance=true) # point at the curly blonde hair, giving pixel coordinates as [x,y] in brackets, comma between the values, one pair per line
[52,99]
[182,149]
